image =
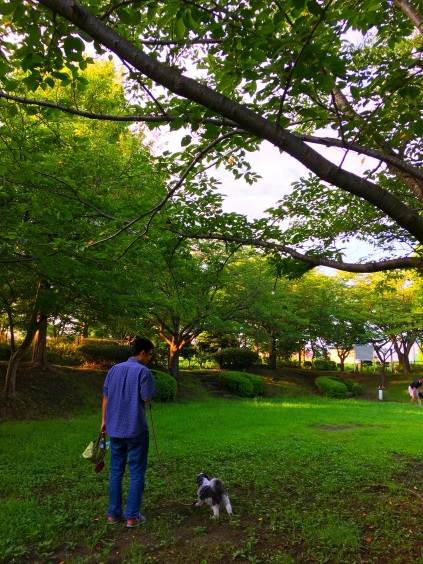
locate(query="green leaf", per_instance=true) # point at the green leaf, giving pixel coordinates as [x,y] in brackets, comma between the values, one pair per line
[179,28]
[151,12]
[418,127]
[186,140]
[314,8]
[177,124]
[4,68]
[7,9]
[124,16]
[279,17]
[258,55]
[12,110]
[73,45]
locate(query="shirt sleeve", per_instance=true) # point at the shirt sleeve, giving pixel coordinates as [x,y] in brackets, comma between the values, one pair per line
[106,386]
[148,386]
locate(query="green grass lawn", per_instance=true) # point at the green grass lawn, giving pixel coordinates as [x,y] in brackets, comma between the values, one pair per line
[310,480]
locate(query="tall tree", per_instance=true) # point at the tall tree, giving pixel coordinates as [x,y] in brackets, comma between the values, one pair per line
[393,308]
[65,184]
[259,72]
[186,292]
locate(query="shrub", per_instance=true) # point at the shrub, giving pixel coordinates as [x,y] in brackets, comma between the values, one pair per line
[4,351]
[61,359]
[321,364]
[354,387]
[235,358]
[288,363]
[166,386]
[159,360]
[331,388]
[238,383]
[63,353]
[108,352]
[257,383]
[307,364]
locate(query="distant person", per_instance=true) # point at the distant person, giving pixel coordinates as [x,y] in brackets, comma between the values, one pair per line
[413,390]
[128,387]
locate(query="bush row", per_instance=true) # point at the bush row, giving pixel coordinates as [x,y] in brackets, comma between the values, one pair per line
[331,388]
[337,388]
[354,387]
[242,383]
[106,352]
[320,364]
[235,358]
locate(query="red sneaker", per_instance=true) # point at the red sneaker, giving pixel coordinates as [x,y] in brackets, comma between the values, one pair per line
[115,520]
[130,523]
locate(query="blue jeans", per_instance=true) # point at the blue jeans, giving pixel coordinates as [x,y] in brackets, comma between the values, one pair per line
[133,451]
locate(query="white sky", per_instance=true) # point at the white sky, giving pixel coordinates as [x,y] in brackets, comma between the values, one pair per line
[278,172]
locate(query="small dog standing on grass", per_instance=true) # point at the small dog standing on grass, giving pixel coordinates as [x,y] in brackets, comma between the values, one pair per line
[212,492]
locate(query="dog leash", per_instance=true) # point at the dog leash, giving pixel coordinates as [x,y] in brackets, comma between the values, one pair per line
[162,465]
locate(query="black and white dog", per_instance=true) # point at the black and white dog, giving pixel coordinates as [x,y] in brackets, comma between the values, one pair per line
[212,492]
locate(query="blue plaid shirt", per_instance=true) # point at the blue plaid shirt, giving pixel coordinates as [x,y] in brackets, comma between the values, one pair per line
[126,387]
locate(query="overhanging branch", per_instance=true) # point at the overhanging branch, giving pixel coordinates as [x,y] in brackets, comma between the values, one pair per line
[162,118]
[172,79]
[368,267]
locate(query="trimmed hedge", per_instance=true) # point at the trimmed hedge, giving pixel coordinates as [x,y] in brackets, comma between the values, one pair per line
[109,352]
[257,383]
[321,364]
[235,358]
[166,386]
[241,383]
[331,388]
[354,387]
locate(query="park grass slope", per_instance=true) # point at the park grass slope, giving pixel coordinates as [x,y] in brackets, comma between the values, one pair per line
[311,479]
[67,391]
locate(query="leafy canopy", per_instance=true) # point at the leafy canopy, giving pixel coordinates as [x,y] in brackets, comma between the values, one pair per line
[235,73]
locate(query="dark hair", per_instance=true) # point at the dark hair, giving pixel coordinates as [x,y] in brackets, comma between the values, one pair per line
[140,344]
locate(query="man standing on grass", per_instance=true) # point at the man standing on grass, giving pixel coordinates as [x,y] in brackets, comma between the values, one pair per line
[413,390]
[128,386]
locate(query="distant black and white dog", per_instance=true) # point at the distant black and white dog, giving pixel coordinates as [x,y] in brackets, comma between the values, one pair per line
[212,492]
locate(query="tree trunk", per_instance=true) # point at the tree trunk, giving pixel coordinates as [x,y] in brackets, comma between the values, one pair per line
[15,359]
[405,362]
[85,327]
[342,358]
[271,362]
[174,352]
[383,374]
[402,354]
[12,330]
[39,355]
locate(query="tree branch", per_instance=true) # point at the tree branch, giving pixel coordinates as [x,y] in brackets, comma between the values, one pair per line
[256,124]
[411,14]
[151,213]
[361,149]
[163,118]
[389,264]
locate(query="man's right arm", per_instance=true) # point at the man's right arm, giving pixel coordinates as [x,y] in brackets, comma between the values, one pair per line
[103,415]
